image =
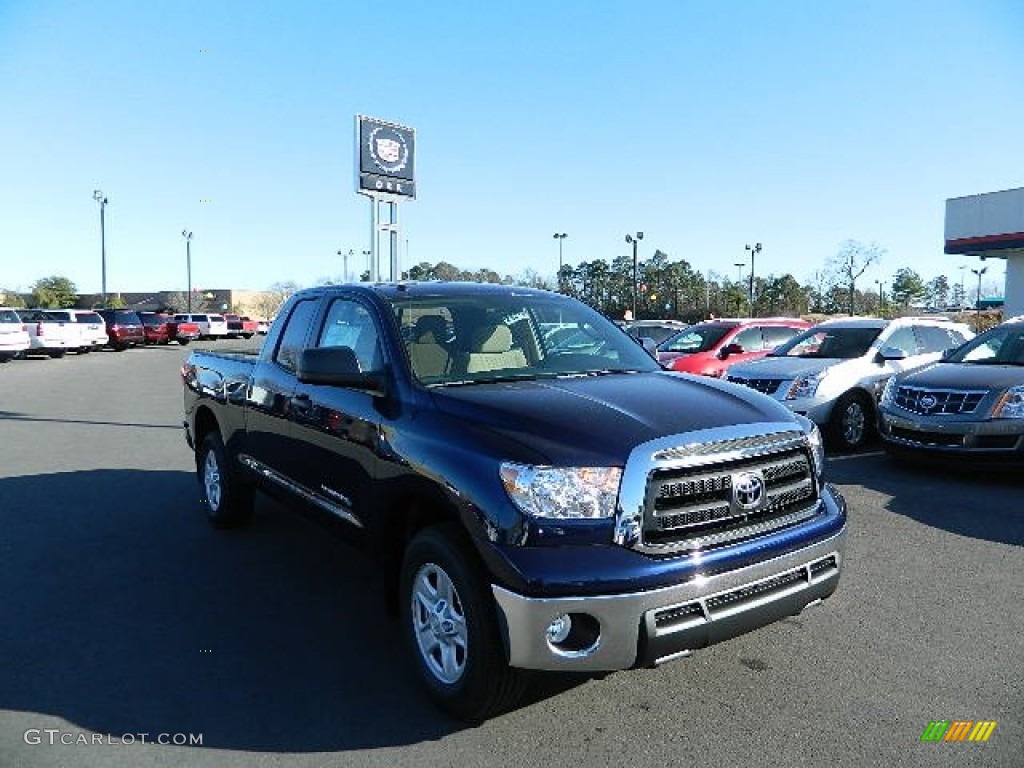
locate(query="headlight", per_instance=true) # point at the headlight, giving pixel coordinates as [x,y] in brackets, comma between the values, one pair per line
[805,386]
[889,391]
[817,449]
[1010,405]
[562,493]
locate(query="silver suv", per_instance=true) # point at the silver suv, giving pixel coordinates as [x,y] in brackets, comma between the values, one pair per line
[834,372]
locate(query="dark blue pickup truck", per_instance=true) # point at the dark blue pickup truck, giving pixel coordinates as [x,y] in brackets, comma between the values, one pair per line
[538,492]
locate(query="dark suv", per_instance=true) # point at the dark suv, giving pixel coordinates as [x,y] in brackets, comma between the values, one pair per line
[124,328]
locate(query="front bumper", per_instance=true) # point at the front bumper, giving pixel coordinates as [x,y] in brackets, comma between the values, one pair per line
[991,437]
[650,627]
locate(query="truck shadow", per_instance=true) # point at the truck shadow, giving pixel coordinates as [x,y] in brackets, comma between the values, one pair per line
[127,613]
[955,498]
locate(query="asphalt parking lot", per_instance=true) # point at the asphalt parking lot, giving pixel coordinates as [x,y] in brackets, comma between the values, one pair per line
[124,613]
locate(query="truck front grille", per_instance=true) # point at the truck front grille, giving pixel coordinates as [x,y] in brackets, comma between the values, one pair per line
[692,508]
[937,401]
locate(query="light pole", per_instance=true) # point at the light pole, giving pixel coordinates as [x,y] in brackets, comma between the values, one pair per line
[631,240]
[739,270]
[754,250]
[963,296]
[881,297]
[100,198]
[345,257]
[560,237]
[188,267]
[369,264]
[979,273]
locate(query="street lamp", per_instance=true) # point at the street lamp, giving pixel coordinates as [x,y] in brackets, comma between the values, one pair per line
[963,296]
[881,297]
[100,198]
[631,240]
[188,267]
[979,273]
[345,257]
[754,250]
[560,237]
[739,270]
[369,266]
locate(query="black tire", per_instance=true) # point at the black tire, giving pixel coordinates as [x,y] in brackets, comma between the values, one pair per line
[183,342]
[475,682]
[851,423]
[226,497]
[6,359]
[56,354]
[84,350]
[246,335]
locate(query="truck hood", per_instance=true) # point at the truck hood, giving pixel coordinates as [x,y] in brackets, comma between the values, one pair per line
[598,420]
[965,376]
[783,367]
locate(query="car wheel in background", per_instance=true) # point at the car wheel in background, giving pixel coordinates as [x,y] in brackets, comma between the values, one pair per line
[850,423]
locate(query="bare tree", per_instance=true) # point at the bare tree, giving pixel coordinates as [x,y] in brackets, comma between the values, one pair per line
[269,301]
[852,261]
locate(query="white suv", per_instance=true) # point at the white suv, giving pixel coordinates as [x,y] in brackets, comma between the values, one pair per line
[89,328]
[834,372]
[14,337]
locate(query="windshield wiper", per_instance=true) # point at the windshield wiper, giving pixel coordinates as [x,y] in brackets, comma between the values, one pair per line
[491,380]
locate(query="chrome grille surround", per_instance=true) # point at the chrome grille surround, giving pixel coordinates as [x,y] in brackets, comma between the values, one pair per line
[676,494]
[943,401]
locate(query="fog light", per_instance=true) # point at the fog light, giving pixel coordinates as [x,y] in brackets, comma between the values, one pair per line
[559,628]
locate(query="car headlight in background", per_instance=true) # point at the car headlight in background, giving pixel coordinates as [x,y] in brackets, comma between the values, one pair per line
[1010,405]
[805,386]
[889,391]
[562,493]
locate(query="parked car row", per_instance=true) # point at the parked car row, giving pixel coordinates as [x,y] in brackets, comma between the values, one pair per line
[54,332]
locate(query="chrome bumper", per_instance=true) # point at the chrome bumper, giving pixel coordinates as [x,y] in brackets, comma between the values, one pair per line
[646,628]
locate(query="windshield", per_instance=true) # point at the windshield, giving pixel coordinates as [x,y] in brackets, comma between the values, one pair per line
[696,338]
[832,342]
[1002,345]
[454,340]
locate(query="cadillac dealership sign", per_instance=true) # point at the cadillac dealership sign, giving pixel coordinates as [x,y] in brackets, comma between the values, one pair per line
[385,155]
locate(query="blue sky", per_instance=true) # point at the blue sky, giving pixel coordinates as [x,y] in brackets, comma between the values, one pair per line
[707,125]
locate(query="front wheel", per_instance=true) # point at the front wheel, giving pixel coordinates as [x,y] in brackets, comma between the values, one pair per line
[56,354]
[183,342]
[850,424]
[228,499]
[451,627]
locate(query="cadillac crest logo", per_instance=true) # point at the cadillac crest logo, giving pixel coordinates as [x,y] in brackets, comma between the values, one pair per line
[748,491]
[927,402]
[388,149]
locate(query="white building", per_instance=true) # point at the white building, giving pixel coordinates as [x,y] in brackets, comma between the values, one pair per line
[991,226]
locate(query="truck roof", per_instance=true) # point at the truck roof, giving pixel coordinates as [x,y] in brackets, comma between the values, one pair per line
[411,288]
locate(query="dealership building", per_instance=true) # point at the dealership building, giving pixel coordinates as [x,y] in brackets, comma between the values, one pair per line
[991,226]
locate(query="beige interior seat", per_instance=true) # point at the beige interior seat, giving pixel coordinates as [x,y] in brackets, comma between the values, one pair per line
[429,357]
[492,350]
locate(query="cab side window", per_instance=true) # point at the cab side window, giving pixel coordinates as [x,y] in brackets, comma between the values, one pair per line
[350,324]
[290,346]
[750,339]
[904,340]
[774,335]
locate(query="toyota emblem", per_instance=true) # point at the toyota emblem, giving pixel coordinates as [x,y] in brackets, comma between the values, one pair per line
[748,491]
[927,402]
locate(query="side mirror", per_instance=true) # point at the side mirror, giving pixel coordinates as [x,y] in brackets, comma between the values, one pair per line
[890,353]
[336,366]
[730,349]
[948,353]
[650,345]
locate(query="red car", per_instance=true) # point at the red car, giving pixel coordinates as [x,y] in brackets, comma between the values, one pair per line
[241,326]
[709,348]
[156,327]
[124,328]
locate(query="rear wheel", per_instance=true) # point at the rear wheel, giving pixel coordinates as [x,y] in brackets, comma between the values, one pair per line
[850,424]
[451,628]
[56,354]
[226,497]
[183,342]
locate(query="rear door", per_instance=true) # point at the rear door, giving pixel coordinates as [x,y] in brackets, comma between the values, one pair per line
[268,435]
